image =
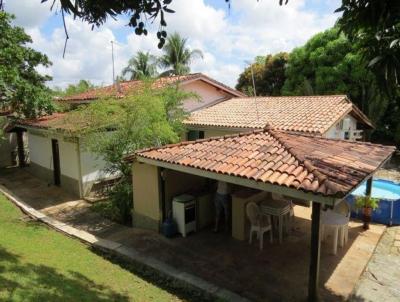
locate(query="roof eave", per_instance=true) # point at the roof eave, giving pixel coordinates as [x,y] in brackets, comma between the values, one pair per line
[275,188]
[359,115]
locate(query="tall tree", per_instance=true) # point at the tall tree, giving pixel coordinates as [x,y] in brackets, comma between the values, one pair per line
[142,65]
[177,56]
[22,88]
[329,63]
[269,75]
[375,26]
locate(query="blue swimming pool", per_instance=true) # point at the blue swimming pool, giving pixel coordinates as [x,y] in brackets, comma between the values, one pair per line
[388,192]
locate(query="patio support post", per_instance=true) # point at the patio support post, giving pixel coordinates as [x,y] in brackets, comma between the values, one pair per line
[368,189]
[20,146]
[315,252]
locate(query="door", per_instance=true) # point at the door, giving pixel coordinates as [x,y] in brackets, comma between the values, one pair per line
[56,162]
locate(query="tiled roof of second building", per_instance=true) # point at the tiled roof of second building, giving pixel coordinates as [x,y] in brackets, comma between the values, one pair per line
[309,114]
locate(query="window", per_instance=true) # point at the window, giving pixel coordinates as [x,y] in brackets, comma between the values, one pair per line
[195,134]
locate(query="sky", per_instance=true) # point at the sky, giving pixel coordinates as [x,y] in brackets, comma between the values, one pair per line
[228,37]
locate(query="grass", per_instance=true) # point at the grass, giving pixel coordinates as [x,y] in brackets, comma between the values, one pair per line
[40,264]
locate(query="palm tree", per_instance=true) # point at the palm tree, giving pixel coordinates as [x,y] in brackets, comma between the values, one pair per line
[177,57]
[142,65]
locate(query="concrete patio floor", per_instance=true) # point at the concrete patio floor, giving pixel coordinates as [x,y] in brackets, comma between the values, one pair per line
[278,273]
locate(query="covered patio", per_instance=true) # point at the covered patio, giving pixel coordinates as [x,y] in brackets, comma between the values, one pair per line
[304,169]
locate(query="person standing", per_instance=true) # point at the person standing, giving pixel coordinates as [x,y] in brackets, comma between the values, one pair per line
[221,202]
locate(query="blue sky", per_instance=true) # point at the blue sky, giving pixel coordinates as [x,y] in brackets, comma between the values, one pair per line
[227,37]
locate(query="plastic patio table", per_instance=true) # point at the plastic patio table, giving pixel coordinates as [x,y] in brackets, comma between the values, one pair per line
[277,208]
[335,221]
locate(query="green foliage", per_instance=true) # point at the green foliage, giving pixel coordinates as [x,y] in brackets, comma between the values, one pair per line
[367,202]
[269,75]
[114,128]
[81,86]
[142,65]
[329,63]
[22,88]
[375,26]
[177,56]
[121,197]
[3,123]
[72,89]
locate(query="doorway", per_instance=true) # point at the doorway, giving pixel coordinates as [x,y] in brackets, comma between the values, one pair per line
[56,162]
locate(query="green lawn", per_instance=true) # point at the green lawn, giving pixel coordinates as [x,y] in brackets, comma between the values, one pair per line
[39,264]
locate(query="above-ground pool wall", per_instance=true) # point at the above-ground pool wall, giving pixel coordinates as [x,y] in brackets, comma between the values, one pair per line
[41,159]
[387,213]
[147,210]
[177,183]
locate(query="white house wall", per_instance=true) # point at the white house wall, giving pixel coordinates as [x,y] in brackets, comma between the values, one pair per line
[40,151]
[208,95]
[7,145]
[41,159]
[336,132]
[92,167]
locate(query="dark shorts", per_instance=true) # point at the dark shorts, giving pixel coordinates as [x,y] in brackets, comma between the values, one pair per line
[221,202]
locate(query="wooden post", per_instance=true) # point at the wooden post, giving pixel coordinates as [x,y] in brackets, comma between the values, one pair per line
[315,253]
[21,149]
[368,189]
[367,211]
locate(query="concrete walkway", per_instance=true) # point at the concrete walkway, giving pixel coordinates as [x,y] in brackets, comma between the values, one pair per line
[381,279]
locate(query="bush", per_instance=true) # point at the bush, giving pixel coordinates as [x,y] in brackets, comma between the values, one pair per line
[367,202]
[121,199]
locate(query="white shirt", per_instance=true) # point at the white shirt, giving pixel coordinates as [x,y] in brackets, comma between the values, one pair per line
[223,188]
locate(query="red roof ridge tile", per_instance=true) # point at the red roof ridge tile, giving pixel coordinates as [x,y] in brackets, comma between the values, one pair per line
[323,179]
[121,88]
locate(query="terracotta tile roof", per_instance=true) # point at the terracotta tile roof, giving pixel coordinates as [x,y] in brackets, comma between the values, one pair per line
[310,114]
[55,121]
[312,164]
[125,87]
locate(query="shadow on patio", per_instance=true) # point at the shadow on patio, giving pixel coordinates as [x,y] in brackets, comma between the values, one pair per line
[278,273]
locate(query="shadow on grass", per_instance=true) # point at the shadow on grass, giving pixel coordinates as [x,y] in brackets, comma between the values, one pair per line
[180,289]
[30,282]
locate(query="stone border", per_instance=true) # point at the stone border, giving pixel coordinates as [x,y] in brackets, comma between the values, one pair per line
[128,252]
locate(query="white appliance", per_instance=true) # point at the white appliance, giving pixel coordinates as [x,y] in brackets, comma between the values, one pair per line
[184,213]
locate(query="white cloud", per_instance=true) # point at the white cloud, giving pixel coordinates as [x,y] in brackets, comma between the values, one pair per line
[227,38]
[29,13]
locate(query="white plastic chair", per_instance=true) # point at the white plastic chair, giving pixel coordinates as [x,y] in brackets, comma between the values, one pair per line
[343,208]
[259,223]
